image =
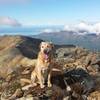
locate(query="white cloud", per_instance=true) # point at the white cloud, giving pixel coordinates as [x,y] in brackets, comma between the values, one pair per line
[97,28]
[47,30]
[50,30]
[8,22]
[84,28]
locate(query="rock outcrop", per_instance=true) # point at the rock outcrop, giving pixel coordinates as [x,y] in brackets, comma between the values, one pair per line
[79,80]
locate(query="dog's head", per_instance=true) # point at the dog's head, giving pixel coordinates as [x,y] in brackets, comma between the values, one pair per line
[46,48]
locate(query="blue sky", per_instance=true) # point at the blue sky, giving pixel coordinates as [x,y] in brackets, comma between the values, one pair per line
[49,12]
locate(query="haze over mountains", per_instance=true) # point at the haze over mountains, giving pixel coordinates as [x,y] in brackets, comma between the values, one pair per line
[83,34]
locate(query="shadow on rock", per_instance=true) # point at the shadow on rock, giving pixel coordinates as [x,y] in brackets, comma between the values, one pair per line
[80,82]
[29,47]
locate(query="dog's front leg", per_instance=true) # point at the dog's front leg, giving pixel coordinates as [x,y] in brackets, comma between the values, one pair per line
[41,79]
[49,79]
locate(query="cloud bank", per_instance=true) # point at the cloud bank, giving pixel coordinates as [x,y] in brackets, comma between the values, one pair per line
[7,21]
[84,28]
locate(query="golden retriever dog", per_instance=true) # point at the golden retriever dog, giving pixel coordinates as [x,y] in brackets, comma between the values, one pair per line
[42,71]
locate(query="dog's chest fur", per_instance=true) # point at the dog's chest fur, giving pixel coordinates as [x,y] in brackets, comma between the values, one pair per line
[43,64]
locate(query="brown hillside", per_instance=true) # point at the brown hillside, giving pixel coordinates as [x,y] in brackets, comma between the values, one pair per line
[16,51]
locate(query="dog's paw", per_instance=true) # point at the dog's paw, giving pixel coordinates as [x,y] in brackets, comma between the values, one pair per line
[49,85]
[34,84]
[42,86]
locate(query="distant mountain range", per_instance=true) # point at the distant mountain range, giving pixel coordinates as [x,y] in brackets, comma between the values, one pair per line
[83,34]
[90,41]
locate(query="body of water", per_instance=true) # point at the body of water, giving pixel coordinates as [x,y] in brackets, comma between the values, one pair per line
[28,30]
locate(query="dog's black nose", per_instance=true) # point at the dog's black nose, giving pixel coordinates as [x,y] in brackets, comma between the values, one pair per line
[46,51]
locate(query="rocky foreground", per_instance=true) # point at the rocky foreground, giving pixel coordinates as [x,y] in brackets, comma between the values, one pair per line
[80,70]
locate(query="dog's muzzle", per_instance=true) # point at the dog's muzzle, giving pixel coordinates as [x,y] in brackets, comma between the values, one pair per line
[47,51]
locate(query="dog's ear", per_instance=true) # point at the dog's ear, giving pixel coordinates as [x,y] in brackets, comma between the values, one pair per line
[40,44]
[52,44]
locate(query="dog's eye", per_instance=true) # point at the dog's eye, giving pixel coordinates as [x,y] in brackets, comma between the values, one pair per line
[42,46]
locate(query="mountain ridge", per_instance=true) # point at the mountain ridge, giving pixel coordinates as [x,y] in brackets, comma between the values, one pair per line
[90,41]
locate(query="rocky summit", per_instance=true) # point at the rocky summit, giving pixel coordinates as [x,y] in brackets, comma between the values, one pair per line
[78,79]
